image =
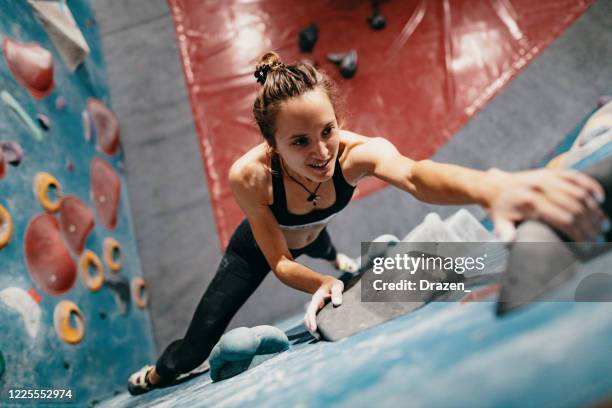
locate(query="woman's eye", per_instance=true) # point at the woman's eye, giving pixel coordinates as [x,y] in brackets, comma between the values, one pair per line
[301,141]
[327,131]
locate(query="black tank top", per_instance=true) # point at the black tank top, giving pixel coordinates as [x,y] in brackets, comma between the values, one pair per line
[288,221]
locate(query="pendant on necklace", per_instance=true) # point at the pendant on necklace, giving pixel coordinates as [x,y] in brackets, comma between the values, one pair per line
[313,198]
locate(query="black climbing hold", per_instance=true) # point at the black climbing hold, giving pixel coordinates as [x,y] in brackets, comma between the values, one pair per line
[308,37]
[120,288]
[377,22]
[43,121]
[348,66]
[346,61]
[335,57]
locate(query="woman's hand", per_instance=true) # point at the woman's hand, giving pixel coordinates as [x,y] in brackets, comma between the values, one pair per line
[565,199]
[331,288]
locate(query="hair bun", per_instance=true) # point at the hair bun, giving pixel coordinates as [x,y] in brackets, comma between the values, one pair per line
[261,73]
[270,61]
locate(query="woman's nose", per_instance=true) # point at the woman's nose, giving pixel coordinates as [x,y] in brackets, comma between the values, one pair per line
[321,150]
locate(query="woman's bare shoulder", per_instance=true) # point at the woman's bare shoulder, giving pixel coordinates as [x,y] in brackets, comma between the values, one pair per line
[350,140]
[251,173]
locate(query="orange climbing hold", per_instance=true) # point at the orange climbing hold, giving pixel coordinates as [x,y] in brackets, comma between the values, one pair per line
[90,259]
[6,227]
[35,295]
[64,311]
[32,66]
[139,292]
[112,254]
[43,182]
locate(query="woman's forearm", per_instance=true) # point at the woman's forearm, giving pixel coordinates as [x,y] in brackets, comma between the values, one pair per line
[298,276]
[440,183]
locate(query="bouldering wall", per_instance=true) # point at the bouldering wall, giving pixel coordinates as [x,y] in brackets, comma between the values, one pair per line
[73,304]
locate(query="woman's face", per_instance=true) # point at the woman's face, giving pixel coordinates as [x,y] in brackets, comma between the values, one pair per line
[307,135]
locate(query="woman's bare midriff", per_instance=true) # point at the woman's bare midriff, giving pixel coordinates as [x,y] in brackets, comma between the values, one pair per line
[301,238]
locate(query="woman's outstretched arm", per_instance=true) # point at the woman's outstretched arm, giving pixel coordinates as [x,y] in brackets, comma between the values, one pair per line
[567,200]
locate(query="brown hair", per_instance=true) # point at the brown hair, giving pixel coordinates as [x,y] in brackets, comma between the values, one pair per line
[281,82]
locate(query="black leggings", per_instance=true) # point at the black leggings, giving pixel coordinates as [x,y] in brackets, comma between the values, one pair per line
[242,268]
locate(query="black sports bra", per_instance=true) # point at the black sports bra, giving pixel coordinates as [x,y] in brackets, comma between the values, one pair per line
[317,217]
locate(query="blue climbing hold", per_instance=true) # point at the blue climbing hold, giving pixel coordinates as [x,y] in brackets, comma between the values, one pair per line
[244,348]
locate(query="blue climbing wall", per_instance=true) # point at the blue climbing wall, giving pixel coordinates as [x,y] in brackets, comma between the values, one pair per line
[115,337]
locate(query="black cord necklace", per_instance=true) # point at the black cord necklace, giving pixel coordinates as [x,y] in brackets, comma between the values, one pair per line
[313,196]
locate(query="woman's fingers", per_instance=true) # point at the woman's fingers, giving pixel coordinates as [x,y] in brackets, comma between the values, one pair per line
[504,229]
[336,292]
[586,182]
[328,290]
[310,318]
[561,219]
[582,211]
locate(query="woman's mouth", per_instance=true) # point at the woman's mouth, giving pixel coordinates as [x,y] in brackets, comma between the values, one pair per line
[320,165]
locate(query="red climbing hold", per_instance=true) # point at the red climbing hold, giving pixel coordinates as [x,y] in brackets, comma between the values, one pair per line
[2,165]
[76,221]
[32,66]
[48,259]
[105,190]
[106,125]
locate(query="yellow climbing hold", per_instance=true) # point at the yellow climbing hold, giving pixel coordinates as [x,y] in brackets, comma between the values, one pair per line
[42,183]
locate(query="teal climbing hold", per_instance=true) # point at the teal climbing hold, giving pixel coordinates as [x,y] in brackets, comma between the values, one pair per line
[16,107]
[244,348]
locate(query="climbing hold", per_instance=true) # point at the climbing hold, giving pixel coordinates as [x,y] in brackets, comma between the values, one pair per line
[120,287]
[603,100]
[139,292]
[32,66]
[42,183]
[106,191]
[112,254]
[243,348]
[106,126]
[76,221]
[60,103]
[64,312]
[69,165]
[376,21]
[43,121]
[90,259]
[86,121]
[307,38]
[16,107]
[62,29]
[348,66]
[19,300]
[49,262]
[2,165]
[347,62]
[6,227]
[35,295]
[12,151]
